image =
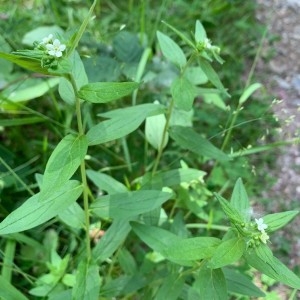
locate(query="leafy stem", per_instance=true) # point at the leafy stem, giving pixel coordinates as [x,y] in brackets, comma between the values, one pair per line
[82,168]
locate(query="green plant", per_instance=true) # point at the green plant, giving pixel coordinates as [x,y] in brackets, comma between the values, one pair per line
[142,238]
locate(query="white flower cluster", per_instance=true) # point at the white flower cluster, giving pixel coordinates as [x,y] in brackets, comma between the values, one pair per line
[53,46]
[261,226]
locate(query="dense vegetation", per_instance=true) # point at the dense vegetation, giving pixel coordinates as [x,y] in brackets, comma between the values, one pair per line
[124,129]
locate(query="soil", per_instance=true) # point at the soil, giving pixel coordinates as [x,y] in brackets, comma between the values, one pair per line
[281,76]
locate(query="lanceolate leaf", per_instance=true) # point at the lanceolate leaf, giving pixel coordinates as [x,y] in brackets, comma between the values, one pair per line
[111,241]
[155,131]
[130,204]
[227,253]
[8,291]
[62,164]
[171,178]
[212,76]
[26,62]
[211,284]
[123,122]
[188,139]
[278,220]
[106,183]
[192,248]
[241,284]
[239,200]
[171,287]
[87,282]
[183,93]
[200,33]
[232,213]
[272,267]
[35,212]
[248,92]
[103,92]
[156,238]
[171,50]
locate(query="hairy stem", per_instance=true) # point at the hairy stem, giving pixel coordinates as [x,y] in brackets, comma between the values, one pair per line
[83,170]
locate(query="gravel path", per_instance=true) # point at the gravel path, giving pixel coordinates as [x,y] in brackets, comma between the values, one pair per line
[281,76]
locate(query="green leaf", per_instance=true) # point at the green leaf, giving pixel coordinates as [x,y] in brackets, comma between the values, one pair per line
[156,238]
[248,92]
[195,75]
[37,34]
[212,76]
[181,35]
[112,240]
[77,36]
[171,50]
[200,33]
[272,267]
[34,212]
[62,164]
[239,283]
[278,220]
[183,93]
[35,88]
[211,284]
[171,287]
[239,200]
[127,262]
[20,121]
[228,252]
[5,65]
[154,131]
[87,282]
[188,139]
[9,292]
[130,204]
[103,92]
[73,216]
[147,109]
[192,248]
[26,62]
[127,47]
[65,87]
[214,98]
[171,178]
[106,183]
[123,122]
[231,212]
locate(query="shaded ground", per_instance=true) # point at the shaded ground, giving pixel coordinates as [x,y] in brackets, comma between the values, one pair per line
[281,76]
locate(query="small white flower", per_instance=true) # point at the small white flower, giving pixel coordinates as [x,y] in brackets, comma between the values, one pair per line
[47,40]
[261,226]
[207,43]
[56,48]
[264,237]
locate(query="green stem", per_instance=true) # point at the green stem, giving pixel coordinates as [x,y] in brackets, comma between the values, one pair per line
[250,75]
[8,261]
[231,126]
[207,226]
[83,170]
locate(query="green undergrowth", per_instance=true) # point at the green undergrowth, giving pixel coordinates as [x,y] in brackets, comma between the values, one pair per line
[129,148]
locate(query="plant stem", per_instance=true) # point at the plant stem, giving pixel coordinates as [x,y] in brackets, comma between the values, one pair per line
[8,261]
[83,170]
[231,126]
[207,226]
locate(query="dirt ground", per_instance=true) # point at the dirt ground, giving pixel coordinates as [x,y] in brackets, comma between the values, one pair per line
[281,77]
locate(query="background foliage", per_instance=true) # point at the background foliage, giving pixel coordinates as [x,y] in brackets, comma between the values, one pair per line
[116,48]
